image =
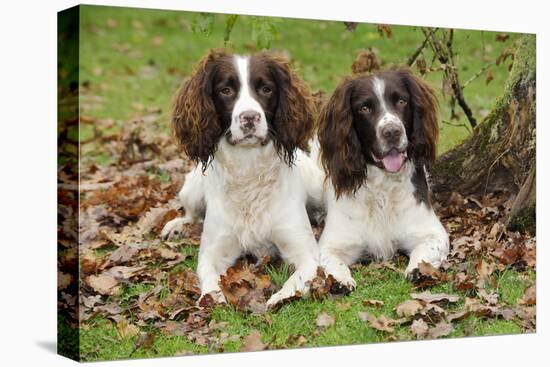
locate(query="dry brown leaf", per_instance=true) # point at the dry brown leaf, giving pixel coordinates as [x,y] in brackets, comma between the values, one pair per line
[489,298]
[463,282]
[373,302]
[253,342]
[121,255]
[63,280]
[419,328]
[145,341]
[426,275]
[440,329]
[245,288]
[429,297]
[104,284]
[529,296]
[366,62]
[324,320]
[381,323]
[321,285]
[458,316]
[126,330]
[124,272]
[408,308]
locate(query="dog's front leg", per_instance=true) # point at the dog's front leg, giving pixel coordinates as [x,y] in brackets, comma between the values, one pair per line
[297,246]
[429,242]
[216,255]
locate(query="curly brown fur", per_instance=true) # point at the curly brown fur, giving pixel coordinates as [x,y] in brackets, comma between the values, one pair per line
[341,153]
[194,119]
[425,132]
[294,120]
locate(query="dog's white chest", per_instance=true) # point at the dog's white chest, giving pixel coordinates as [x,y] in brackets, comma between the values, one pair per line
[380,205]
[248,202]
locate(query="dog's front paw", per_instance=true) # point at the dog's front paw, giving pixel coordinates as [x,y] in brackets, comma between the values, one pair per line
[173,228]
[414,273]
[211,299]
[282,296]
[344,281]
[294,288]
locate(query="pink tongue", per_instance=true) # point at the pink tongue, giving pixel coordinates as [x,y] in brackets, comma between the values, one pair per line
[393,161]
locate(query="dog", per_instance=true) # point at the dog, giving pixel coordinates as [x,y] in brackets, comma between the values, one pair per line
[377,137]
[247,122]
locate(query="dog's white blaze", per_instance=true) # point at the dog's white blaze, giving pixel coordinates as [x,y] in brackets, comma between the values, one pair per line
[245,100]
[387,117]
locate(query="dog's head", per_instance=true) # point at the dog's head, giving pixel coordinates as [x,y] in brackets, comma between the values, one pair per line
[382,120]
[248,100]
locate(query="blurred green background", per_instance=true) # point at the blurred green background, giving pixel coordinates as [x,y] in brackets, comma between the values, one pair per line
[136,58]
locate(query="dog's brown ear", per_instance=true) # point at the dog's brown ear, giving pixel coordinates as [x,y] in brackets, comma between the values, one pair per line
[425,129]
[341,152]
[295,116]
[194,120]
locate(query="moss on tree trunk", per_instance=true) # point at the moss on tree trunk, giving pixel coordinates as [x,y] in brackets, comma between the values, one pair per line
[501,152]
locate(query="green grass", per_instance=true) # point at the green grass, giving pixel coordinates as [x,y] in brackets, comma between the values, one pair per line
[99,339]
[123,65]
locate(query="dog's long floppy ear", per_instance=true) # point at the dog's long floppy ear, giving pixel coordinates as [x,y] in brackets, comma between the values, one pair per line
[194,119]
[425,127]
[294,118]
[341,153]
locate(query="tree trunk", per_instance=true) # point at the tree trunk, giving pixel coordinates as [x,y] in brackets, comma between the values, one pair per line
[500,154]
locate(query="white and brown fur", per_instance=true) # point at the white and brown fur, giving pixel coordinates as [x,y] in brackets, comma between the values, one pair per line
[247,120]
[378,137]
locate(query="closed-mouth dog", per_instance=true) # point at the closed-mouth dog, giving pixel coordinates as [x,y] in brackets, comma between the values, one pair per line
[377,137]
[246,121]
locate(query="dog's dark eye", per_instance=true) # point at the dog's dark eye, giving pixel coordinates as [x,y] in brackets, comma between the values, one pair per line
[266,90]
[365,109]
[226,91]
[402,102]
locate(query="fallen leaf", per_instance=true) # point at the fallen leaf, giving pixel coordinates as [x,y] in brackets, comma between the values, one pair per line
[408,308]
[144,341]
[321,285]
[440,329]
[489,298]
[529,296]
[373,302]
[253,342]
[325,320]
[126,330]
[63,280]
[429,297]
[426,275]
[121,255]
[458,316]
[419,328]
[124,272]
[245,287]
[103,284]
[381,323]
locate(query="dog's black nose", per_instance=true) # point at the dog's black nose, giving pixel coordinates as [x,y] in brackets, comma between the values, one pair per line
[392,133]
[249,119]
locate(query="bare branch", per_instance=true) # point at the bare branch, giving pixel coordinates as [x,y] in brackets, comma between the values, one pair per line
[445,55]
[419,50]
[477,75]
